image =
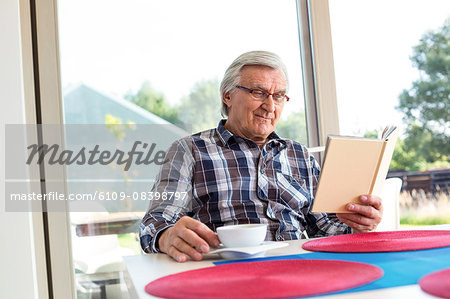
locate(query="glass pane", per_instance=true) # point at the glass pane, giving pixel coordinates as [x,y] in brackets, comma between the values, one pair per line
[155,62]
[391,63]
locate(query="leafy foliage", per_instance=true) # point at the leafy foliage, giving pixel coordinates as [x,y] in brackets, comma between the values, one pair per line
[116,126]
[371,134]
[201,108]
[294,127]
[155,102]
[426,104]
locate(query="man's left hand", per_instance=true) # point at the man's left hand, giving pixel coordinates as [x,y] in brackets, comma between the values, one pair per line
[366,216]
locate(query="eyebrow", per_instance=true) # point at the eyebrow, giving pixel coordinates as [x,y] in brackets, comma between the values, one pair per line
[265,89]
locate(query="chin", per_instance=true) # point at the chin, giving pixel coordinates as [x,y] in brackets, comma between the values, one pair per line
[264,131]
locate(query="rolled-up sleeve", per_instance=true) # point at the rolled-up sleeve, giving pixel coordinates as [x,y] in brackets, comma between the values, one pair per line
[172,194]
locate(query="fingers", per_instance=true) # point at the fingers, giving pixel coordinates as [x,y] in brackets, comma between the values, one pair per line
[193,239]
[357,227]
[367,211]
[186,239]
[204,232]
[371,200]
[356,218]
[176,255]
[365,217]
[184,248]
[371,206]
[359,223]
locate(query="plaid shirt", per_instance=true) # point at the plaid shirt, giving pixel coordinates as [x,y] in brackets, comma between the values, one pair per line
[230,180]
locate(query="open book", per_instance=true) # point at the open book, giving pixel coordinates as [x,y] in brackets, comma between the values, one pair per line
[353,166]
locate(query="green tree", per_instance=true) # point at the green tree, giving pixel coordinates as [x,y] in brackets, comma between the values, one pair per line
[154,102]
[405,159]
[401,159]
[294,127]
[201,108]
[426,104]
[371,134]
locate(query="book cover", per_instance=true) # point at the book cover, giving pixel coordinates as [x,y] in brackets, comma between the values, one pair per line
[353,167]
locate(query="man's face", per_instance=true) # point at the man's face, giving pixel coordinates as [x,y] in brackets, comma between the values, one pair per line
[250,118]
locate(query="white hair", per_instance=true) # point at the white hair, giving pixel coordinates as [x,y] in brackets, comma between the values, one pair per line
[232,74]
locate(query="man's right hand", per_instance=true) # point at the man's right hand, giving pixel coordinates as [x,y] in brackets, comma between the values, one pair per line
[178,241]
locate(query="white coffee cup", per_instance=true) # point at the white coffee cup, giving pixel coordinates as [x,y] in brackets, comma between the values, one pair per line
[242,235]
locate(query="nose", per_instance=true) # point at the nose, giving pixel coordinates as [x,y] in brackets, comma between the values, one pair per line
[269,104]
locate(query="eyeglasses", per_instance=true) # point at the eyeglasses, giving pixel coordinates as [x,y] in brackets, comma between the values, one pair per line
[259,95]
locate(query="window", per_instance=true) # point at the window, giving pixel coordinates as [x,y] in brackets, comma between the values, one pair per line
[373,43]
[144,52]
[156,62]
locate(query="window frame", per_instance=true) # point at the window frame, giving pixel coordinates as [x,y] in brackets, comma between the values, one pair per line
[43,105]
[318,71]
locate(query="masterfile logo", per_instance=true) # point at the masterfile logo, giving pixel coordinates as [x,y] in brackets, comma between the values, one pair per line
[85,156]
[114,165]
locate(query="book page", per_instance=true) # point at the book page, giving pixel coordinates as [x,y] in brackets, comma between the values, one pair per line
[348,172]
[385,162]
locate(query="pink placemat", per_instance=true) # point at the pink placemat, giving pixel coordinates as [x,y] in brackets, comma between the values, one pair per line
[266,279]
[382,241]
[437,283]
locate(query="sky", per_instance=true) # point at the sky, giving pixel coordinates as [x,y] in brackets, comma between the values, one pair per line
[115,45]
[372,43]
[172,44]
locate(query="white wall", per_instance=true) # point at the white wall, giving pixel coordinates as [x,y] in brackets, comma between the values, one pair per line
[16,249]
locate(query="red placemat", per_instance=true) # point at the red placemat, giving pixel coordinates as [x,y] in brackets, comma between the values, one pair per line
[267,279]
[437,283]
[382,241]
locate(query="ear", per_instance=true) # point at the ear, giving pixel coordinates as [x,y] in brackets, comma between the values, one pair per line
[227,99]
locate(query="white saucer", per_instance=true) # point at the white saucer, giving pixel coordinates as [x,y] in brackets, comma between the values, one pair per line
[247,252]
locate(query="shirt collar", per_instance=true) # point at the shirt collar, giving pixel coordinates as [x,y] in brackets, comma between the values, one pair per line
[223,133]
[227,137]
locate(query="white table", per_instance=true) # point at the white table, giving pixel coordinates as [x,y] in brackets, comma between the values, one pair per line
[141,269]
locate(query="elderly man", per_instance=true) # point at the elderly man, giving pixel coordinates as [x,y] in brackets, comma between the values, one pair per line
[243,172]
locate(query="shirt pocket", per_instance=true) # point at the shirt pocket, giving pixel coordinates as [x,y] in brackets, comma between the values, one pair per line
[293,191]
